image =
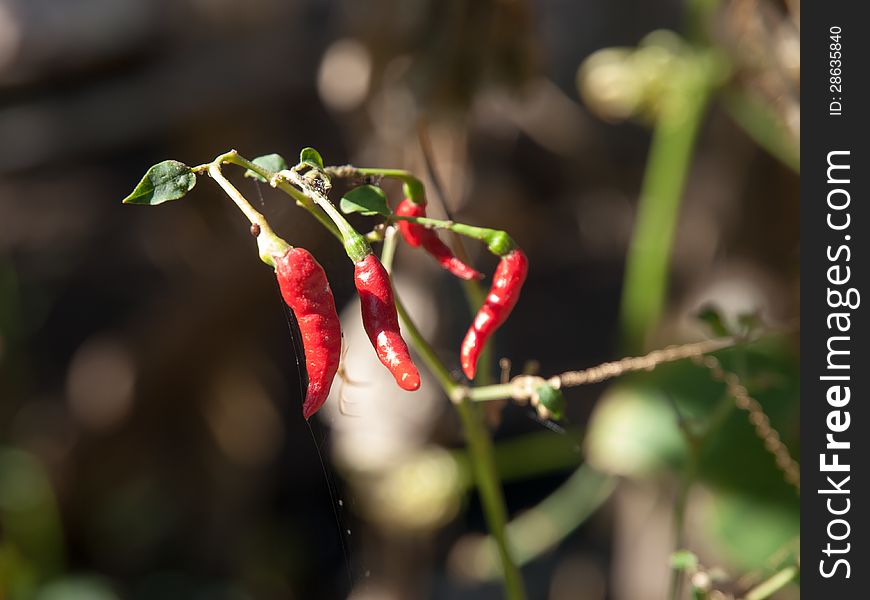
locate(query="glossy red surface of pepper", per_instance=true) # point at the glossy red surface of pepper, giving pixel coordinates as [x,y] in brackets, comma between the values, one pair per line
[503,295]
[381,321]
[306,291]
[417,235]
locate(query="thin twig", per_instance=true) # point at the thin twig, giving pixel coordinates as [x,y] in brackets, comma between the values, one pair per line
[778,581]
[757,417]
[646,362]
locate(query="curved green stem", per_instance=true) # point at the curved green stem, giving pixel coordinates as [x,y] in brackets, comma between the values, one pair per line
[479,442]
[388,250]
[545,525]
[481,456]
[498,242]
[412,187]
[400,174]
[426,351]
[491,496]
[778,581]
[355,244]
[483,461]
[485,393]
[646,271]
[269,244]
[301,199]
[448,383]
[480,448]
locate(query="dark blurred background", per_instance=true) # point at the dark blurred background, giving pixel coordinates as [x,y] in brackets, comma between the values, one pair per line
[151,438]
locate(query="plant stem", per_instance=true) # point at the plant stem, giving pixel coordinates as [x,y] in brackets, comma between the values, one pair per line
[412,187]
[301,199]
[483,463]
[677,576]
[778,581]
[420,344]
[480,453]
[399,174]
[355,244]
[268,243]
[479,442]
[534,454]
[498,242]
[388,250]
[480,449]
[486,393]
[426,352]
[549,522]
[236,196]
[646,271]
[491,497]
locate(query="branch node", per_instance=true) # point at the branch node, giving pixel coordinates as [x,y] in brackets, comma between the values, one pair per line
[459,394]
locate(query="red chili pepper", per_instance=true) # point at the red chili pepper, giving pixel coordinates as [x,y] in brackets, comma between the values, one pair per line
[306,291]
[503,295]
[416,235]
[381,321]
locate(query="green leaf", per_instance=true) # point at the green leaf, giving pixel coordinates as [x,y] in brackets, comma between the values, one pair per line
[683,560]
[367,200]
[712,318]
[633,433]
[165,181]
[270,162]
[312,158]
[553,400]
[749,530]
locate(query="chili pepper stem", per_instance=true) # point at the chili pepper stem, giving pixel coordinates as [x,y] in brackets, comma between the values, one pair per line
[269,244]
[355,244]
[479,443]
[497,242]
[233,157]
[388,250]
[411,186]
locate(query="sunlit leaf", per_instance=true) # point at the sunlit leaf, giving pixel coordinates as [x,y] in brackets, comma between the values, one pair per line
[367,200]
[311,157]
[165,181]
[270,162]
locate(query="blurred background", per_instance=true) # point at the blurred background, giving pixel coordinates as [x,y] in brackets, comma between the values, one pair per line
[151,438]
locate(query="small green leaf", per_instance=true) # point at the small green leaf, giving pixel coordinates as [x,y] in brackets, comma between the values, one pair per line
[367,200]
[683,560]
[553,400]
[270,162]
[712,318]
[165,181]
[311,157]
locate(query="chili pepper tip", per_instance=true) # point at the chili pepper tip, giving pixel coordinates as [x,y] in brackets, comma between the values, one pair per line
[409,380]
